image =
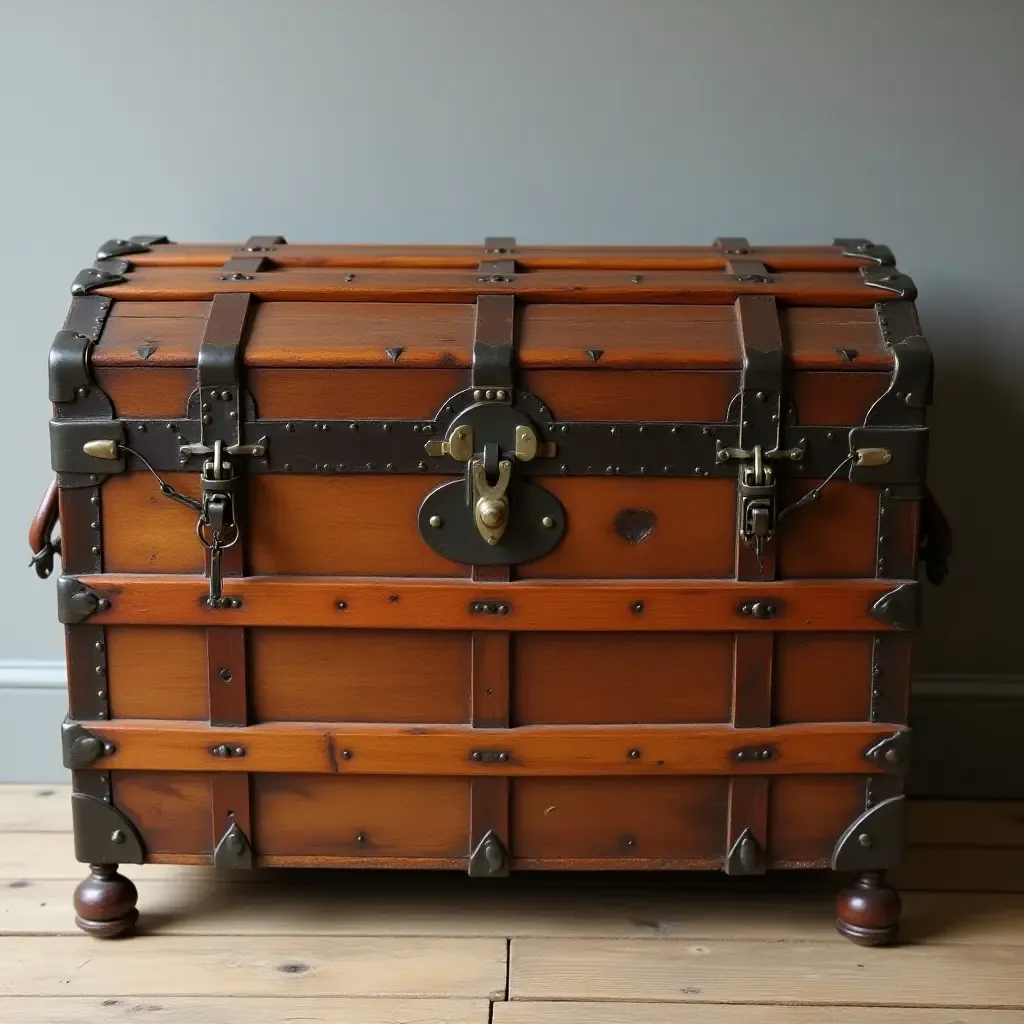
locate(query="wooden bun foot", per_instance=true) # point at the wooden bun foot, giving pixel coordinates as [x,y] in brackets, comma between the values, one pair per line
[105,902]
[868,911]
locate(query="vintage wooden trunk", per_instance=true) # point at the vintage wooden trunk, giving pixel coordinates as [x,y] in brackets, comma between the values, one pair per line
[489,558]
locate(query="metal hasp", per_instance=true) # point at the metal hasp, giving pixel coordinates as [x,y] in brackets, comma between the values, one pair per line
[746,856]
[891,754]
[865,249]
[115,247]
[82,749]
[76,602]
[103,835]
[875,840]
[900,608]
[489,859]
[233,850]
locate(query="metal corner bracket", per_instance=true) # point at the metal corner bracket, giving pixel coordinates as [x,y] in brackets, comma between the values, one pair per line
[746,856]
[103,835]
[889,279]
[91,278]
[489,859]
[875,840]
[115,247]
[76,602]
[233,851]
[899,608]
[891,754]
[865,249]
[81,748]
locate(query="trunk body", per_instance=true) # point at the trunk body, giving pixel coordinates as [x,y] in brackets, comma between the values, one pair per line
[519,554]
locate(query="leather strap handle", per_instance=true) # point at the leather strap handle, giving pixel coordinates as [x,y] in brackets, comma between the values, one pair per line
[40,533]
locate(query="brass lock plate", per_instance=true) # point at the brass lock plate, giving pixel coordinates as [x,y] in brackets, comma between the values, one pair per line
[535,525]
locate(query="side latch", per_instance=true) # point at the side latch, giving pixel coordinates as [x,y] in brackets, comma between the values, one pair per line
[489,859]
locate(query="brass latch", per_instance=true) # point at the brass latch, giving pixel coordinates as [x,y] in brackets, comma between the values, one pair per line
[488,477]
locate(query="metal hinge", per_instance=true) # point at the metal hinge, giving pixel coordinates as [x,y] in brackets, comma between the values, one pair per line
[489,859]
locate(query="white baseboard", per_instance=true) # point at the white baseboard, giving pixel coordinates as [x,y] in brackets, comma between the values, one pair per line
[33,699]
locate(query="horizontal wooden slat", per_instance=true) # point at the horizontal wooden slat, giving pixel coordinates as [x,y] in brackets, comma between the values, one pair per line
[744,972]
[663,1013]
[444,285]
[58,965]
[550,750]
[350,603]
[534,257]
[234,1009]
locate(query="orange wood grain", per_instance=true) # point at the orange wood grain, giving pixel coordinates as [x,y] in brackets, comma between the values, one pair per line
[829,288]
[807,814]
[628,750]
[805,605]
[821,677]
[619,819]
[349,675]
[171,809]
[641,257]
[288,334]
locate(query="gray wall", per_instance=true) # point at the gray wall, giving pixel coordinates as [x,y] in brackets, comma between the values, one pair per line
[555,120]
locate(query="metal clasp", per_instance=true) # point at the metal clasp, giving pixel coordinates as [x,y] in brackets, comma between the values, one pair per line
[216,527]
[757,494]
[490,505]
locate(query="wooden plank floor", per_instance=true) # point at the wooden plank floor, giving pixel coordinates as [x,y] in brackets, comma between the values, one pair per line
[367,948]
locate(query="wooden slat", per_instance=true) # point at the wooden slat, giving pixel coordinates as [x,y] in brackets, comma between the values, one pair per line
[303,284]
[705,605]
[162,965]
[730,971]
[35,809]
[533,257]
[966,823]
[829,748]
[199,902]
[663,1013]
[233,1010]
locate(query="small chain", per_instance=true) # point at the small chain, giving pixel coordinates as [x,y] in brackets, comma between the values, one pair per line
[165,487]
[813,495]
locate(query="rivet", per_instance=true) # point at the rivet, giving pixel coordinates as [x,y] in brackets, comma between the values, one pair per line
[674,430]
[565,428]
[614,430]
[563,469]
[101,714]
[102,604]
[207,420]
[102,694]
[346,755]
[239,751]
[98,645]
[82,392]
[95,524]
[503,757]
[290,427]
[475,756]
[762,397]
[637,278]
[350,277]
[95,550]
[609,470]
[353,426]
[109,748]
[634,754]
[390,466]
[225,674]
[361,837]
[422,465]
[637,607]
[892,755]
[225,396]
[287,467]
[142,428]
[99,670]
[865,840]
[95,499]
[117,836]
[341,605]
[478,395]
[206,406]
[435,522]
[547,522]
[876,670]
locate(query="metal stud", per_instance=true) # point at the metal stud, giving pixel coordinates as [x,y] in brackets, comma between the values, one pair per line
[117,836]
[435,522]
[547,522]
